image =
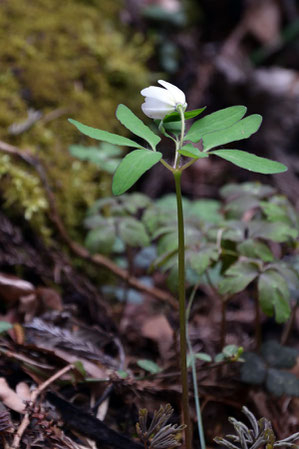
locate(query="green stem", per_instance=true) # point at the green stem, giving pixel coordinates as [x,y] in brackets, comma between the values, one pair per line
[182,309]
[188,164]
[179,144]
[169,167]
[194,376]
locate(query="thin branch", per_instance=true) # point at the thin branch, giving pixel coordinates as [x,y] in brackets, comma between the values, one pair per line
[34,395]
[80,251]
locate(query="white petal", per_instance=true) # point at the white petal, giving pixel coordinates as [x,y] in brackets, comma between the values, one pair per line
[155,103]
[156,112]
[159,94]
[177,94]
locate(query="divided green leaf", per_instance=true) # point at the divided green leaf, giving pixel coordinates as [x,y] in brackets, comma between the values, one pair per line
[106,156]
[101,239]
[274,295]
[104,136]
[136,126]
[250,162]
[239,131]
[237,277]
[133,232]
[255,250]
[216,121]
[201,260]
[132,168]
[278,232]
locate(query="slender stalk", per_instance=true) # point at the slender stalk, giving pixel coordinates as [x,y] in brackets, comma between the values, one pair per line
[194,376]
[182,309]
[188,164]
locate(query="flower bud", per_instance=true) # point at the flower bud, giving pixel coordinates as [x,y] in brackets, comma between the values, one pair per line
[159,102]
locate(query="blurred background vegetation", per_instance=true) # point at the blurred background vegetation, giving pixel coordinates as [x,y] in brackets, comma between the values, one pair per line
[61,59]
[81,58]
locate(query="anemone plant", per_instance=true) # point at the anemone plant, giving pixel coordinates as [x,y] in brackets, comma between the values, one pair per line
[167,106]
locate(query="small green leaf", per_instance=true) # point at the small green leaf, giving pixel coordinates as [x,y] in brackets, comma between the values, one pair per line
[176,116]
[101,239]
[239,131]
[200,356]
[173,127]
[209,211]
[255,249]
[149,365]
[280,211]
[133,232]
[132,168]
[5,326]
[203,356]
[250,162]
[274,295]
[80,367]
[216,121]
[190,151]
[136,126]
[122,374]
[278,232]
[201,259]
[231,350]
[237,277]
[106,156]
[104,136]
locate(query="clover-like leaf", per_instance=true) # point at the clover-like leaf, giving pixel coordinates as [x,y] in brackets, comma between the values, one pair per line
[133,232]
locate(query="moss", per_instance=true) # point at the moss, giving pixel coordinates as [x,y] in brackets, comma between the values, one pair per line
[75,55]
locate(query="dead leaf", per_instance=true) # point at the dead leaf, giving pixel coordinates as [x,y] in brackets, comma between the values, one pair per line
[12,288]
[23,391]
[158,329]
[10,397]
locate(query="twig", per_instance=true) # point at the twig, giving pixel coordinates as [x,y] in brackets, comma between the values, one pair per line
[80,251]
[34,395]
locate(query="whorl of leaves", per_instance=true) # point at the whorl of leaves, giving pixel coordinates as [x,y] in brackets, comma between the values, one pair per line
[259,435]
[158,435]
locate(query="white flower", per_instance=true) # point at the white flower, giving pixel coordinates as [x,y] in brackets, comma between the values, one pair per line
[160,102]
